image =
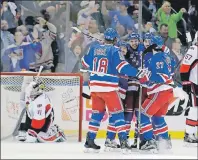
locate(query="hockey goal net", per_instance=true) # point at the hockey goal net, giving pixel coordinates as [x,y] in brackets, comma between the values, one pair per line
[64,90]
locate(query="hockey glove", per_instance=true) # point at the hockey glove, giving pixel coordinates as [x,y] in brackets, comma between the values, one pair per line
[143,75]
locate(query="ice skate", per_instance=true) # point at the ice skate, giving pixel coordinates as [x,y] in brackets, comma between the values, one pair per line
[164,145]
[149,146]
[21,136]
[190,140]
[111,145]
[90,146]
[125,147]
[134,145]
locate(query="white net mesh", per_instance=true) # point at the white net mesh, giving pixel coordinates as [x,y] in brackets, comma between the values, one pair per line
[64,92]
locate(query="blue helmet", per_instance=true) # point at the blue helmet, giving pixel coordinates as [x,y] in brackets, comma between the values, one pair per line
[110,34]
[122,44]
[147,36]
[133,36]
[158,41]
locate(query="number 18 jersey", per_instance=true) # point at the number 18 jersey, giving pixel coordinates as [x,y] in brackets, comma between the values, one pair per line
[109,60]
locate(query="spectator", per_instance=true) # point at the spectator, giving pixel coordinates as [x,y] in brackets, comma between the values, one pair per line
[13,53]
[149,28]
[177,55]
[29,23]
[6,37]
[28,36]
[8,13]
[176,50]
[93,30]
[152,7]
[164,16]
[48,34]
[120,16]
[73,59]
[164,34]
[88,8]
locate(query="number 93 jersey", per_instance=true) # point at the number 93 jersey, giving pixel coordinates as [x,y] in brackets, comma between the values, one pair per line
[106,59]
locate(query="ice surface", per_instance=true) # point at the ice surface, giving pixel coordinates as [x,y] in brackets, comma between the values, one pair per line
[10,149]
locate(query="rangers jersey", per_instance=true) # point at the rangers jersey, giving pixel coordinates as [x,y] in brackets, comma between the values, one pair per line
[189,67]
[161,69]
[109,60]
[133,56]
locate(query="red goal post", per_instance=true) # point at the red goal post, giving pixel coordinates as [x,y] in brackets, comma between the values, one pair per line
[65,91]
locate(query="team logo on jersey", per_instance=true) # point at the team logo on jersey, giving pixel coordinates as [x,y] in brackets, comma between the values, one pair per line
[168,60]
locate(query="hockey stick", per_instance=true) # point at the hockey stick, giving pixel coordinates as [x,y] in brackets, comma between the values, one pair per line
[180,112]
[103,74]
[15,132]
[88,35]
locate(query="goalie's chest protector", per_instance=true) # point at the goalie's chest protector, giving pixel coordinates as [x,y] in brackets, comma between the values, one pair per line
[40,108]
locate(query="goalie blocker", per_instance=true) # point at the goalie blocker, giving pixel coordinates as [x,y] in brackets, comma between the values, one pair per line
[38,125]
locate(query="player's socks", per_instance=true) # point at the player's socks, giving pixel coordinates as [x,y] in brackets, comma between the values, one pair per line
[146,130]
[94,124]
[161,128]
[110,141]
[128,118]
[118,118]
[111,129]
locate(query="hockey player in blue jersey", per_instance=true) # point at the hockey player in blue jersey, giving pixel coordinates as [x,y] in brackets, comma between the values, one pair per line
[107,59]
[110,143]
[147,42]
[133,56]
[160,94]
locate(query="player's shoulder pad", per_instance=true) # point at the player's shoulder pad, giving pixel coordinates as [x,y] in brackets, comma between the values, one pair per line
[167,57]
[121,55]
[116,50]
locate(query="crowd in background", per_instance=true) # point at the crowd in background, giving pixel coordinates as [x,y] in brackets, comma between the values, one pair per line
[33,33]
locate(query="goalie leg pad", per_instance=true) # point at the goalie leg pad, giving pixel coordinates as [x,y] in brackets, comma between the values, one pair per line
[31,136]
[192,121]
[54,134]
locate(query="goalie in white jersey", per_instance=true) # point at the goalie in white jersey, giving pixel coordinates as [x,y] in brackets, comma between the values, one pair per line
[40,116]
[189,77]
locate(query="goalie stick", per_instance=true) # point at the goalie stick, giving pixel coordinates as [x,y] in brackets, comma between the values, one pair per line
[16,129]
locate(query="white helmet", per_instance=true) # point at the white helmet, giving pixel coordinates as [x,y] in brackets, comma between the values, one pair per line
[35,89]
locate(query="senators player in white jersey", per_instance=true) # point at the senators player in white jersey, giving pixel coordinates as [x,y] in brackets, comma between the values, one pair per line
[189,77]
[40,116]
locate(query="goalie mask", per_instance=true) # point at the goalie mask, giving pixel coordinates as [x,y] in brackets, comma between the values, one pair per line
[35,89]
